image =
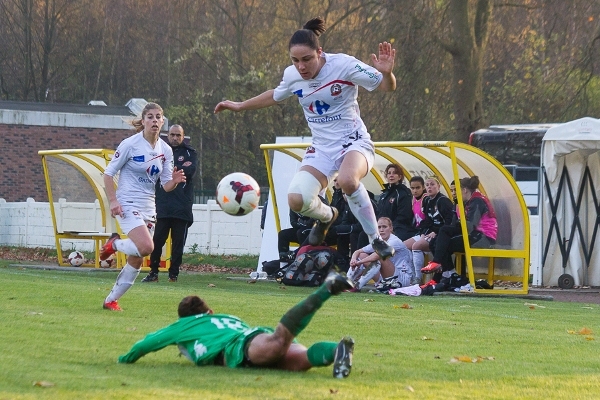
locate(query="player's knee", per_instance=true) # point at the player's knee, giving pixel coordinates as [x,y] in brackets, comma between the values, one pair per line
[295,202]
[145,248]
[348,183]
[303,189]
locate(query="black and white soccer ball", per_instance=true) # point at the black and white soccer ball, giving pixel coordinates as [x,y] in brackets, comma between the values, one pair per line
[238,194]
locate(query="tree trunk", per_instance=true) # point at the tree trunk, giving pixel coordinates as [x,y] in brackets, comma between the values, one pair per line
[469,33]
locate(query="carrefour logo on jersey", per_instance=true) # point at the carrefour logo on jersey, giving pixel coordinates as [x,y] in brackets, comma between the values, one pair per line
[371,75]
[152,170]
[322,120]
[320,107]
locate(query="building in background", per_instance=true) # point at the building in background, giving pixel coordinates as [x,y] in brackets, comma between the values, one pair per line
[27,127]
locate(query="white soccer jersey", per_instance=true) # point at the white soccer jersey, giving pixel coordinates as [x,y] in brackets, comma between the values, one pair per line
[140,166]
[402,259]
[329,101]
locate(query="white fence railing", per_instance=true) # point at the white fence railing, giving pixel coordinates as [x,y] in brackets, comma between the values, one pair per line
[29,224]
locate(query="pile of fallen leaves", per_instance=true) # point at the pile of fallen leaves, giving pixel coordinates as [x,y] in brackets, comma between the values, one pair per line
[208,268]
[39,254]
[28,254]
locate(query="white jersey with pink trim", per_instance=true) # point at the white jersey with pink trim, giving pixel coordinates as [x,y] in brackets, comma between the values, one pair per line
[329,101]
[140,166]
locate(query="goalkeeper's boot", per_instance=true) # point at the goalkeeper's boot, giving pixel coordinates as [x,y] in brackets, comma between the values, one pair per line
[342,361]
[319,229]
[337,283]
[108,248]
[383,250]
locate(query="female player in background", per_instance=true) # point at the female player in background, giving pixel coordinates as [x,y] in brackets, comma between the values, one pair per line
[140,160]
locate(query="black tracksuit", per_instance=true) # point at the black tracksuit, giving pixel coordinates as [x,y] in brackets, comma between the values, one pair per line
[174,210]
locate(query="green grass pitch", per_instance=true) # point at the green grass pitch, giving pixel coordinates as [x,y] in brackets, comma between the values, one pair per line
[54,332]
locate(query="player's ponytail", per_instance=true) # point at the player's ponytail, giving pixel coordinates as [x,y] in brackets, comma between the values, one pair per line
[309,34]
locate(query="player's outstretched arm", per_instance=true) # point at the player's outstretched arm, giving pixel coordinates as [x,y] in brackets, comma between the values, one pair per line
[263,100]
[152,342]
[385,64]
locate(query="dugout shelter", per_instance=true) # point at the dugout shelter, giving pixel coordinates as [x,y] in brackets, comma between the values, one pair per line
[570,205]
[79,207]
[506,261]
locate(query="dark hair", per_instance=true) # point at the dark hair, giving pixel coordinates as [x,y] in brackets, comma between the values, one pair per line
[192,305]
[471,183]
[398,169]
[309,34]
[418,179]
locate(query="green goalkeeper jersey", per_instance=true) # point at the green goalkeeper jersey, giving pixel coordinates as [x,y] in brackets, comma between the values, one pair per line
[201,338]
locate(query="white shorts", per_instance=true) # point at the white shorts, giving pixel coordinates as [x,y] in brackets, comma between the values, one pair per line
[134,218]
[328,160]
[416,238]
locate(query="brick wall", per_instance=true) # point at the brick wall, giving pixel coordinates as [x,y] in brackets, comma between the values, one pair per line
[22,175]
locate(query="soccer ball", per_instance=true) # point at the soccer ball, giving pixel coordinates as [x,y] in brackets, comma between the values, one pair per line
[107,263]
[238,194]
[76,258]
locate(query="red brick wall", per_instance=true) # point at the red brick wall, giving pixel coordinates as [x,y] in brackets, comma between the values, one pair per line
[22,175]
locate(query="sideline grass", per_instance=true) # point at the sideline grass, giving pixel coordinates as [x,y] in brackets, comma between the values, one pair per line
[53,329]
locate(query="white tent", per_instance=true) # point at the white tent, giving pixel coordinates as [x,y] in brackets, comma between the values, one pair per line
[569,205]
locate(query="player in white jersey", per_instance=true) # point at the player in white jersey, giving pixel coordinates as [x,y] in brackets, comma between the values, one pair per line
[365,264]
[140,160]
[326,86]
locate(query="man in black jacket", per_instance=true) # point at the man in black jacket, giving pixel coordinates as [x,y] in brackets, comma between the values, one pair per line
[174,209]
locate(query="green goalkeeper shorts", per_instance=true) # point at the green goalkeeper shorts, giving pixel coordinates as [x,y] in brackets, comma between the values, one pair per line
[235,351]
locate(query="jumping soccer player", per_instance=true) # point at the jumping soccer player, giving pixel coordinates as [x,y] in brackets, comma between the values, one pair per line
[326,86]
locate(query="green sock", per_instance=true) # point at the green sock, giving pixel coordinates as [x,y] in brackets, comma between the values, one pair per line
[321,354]
[298,317]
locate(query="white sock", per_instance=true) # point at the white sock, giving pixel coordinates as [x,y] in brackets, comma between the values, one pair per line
[448,274]
[126,246]
[124,281]
[318,210]
[361,207]
[353,274]
[418,261]
[370,274]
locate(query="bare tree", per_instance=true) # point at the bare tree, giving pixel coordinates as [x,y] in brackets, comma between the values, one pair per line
[468,28]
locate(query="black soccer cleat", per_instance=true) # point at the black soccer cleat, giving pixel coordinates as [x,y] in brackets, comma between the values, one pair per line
[337,283]
[382,249]
[319,229]
[151,277]
[342,361]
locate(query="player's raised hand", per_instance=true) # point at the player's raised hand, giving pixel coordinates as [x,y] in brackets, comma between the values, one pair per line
[384,63]
[227,105]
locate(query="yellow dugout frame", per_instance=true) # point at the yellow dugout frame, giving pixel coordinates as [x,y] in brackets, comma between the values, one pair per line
[508,260]
[88,165]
